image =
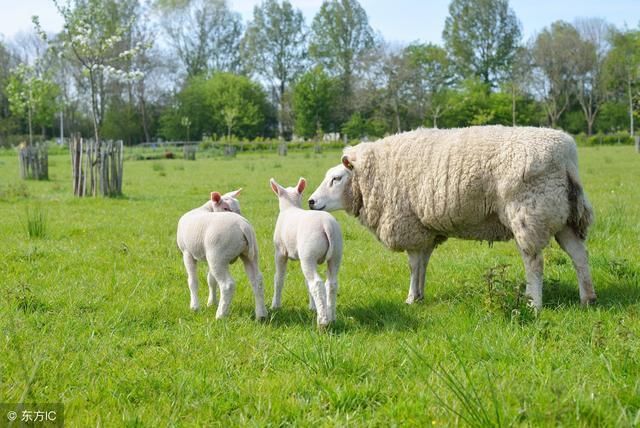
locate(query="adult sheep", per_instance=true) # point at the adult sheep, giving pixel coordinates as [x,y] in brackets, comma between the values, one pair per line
[416,189]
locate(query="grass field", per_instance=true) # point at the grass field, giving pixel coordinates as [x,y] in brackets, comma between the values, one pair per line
[94,313]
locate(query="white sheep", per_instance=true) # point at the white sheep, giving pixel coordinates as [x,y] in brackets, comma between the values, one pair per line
[217,233]
[312,237]
[414,190]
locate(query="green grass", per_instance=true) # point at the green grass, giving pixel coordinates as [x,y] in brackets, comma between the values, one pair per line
[96,313]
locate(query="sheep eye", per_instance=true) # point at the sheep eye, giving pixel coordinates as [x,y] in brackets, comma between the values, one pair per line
[335,179]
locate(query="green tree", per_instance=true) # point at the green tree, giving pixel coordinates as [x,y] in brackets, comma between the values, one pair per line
[92,36]
[32,97]
[224,104]
[482,36]
[431,74]
[554,67]
[340,36]
[592,90]
[7,120]
[313,100]
[623,68]
[275,46]
[205,34]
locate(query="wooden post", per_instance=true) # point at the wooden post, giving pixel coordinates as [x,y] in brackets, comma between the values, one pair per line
[637,138]
[282,148]
[34,162]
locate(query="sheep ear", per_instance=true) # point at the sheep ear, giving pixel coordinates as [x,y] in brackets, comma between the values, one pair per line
[215,197]
[302,183]
[347,162]
[275,186]
[235,193]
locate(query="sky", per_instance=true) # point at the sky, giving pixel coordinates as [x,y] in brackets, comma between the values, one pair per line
[399,21]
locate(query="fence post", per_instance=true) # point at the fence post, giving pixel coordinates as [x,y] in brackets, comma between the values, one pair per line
[637,138]
[34,162]
[282,148]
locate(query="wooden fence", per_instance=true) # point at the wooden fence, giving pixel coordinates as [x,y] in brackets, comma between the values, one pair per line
[34,162]
[97,168]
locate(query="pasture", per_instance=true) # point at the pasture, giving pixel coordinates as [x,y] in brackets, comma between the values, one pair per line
[94,313]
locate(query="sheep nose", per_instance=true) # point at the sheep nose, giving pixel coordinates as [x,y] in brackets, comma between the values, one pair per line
[311,203]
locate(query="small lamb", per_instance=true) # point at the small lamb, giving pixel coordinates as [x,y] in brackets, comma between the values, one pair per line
[217,233]
[312,237]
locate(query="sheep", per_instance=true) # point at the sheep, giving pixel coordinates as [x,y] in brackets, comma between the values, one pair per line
[416,189]
[313,238]
[217,233]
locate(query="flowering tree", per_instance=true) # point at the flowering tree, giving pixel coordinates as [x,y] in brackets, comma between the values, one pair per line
[93,36]
[31,96]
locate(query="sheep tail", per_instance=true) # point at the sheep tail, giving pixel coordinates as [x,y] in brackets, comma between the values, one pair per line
[581,213]
[252,243]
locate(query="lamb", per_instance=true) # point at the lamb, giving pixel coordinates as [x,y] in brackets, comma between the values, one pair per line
[416,189]
[313,238]
[217,233]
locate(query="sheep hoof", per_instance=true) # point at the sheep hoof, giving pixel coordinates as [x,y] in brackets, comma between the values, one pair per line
[411,300]
[195,308]
[589,301]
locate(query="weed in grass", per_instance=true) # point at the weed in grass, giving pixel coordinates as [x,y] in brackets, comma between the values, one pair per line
[507,297]
[14,190]
[250,167]
[473,409]
[157,167]
[277,165]
[26,301]
[179,167]
[36,222]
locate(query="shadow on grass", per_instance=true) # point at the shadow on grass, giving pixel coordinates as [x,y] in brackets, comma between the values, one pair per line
[375,316]
[622,293]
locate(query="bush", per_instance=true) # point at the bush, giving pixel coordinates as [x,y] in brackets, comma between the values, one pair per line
[621,137]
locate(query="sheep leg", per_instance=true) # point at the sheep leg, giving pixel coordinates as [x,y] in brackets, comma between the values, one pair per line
[222,275]
[331,286]
[575,248]
[192,279]
[278,280]
[312,305]
[418,263]
[309,269]
[533,266]
[255,278]
[211,282]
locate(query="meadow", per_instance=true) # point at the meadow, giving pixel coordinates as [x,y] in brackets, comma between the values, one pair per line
[94,313]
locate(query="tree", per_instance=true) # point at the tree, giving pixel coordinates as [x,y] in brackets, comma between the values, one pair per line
[205,34]
[554,61]
[431,73]
[313,100]
[482,36]
[340,36]
[93,30]
[32,97]
[275,43]
[7,120]
[623,67]
[220,105]
[592,90]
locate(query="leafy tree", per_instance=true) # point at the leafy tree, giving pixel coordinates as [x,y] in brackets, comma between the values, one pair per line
[32,97]
[623,68]
[592,90]
[554,61]
[275,46]
[313,100]
[224,104]
[482,36]
[340,36]
[431,73]
[7,121]
[92,35]
[205,34]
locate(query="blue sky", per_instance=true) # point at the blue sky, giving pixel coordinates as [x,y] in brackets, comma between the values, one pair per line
[397,20]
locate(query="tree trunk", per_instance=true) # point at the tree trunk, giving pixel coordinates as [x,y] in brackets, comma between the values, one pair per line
[630,95]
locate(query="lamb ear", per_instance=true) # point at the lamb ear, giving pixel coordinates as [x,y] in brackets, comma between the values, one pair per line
[235,193]
[302,183]
[347,162]
[275,186]
[215,197]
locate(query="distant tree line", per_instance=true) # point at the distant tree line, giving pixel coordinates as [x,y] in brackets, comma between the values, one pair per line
[186,69]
